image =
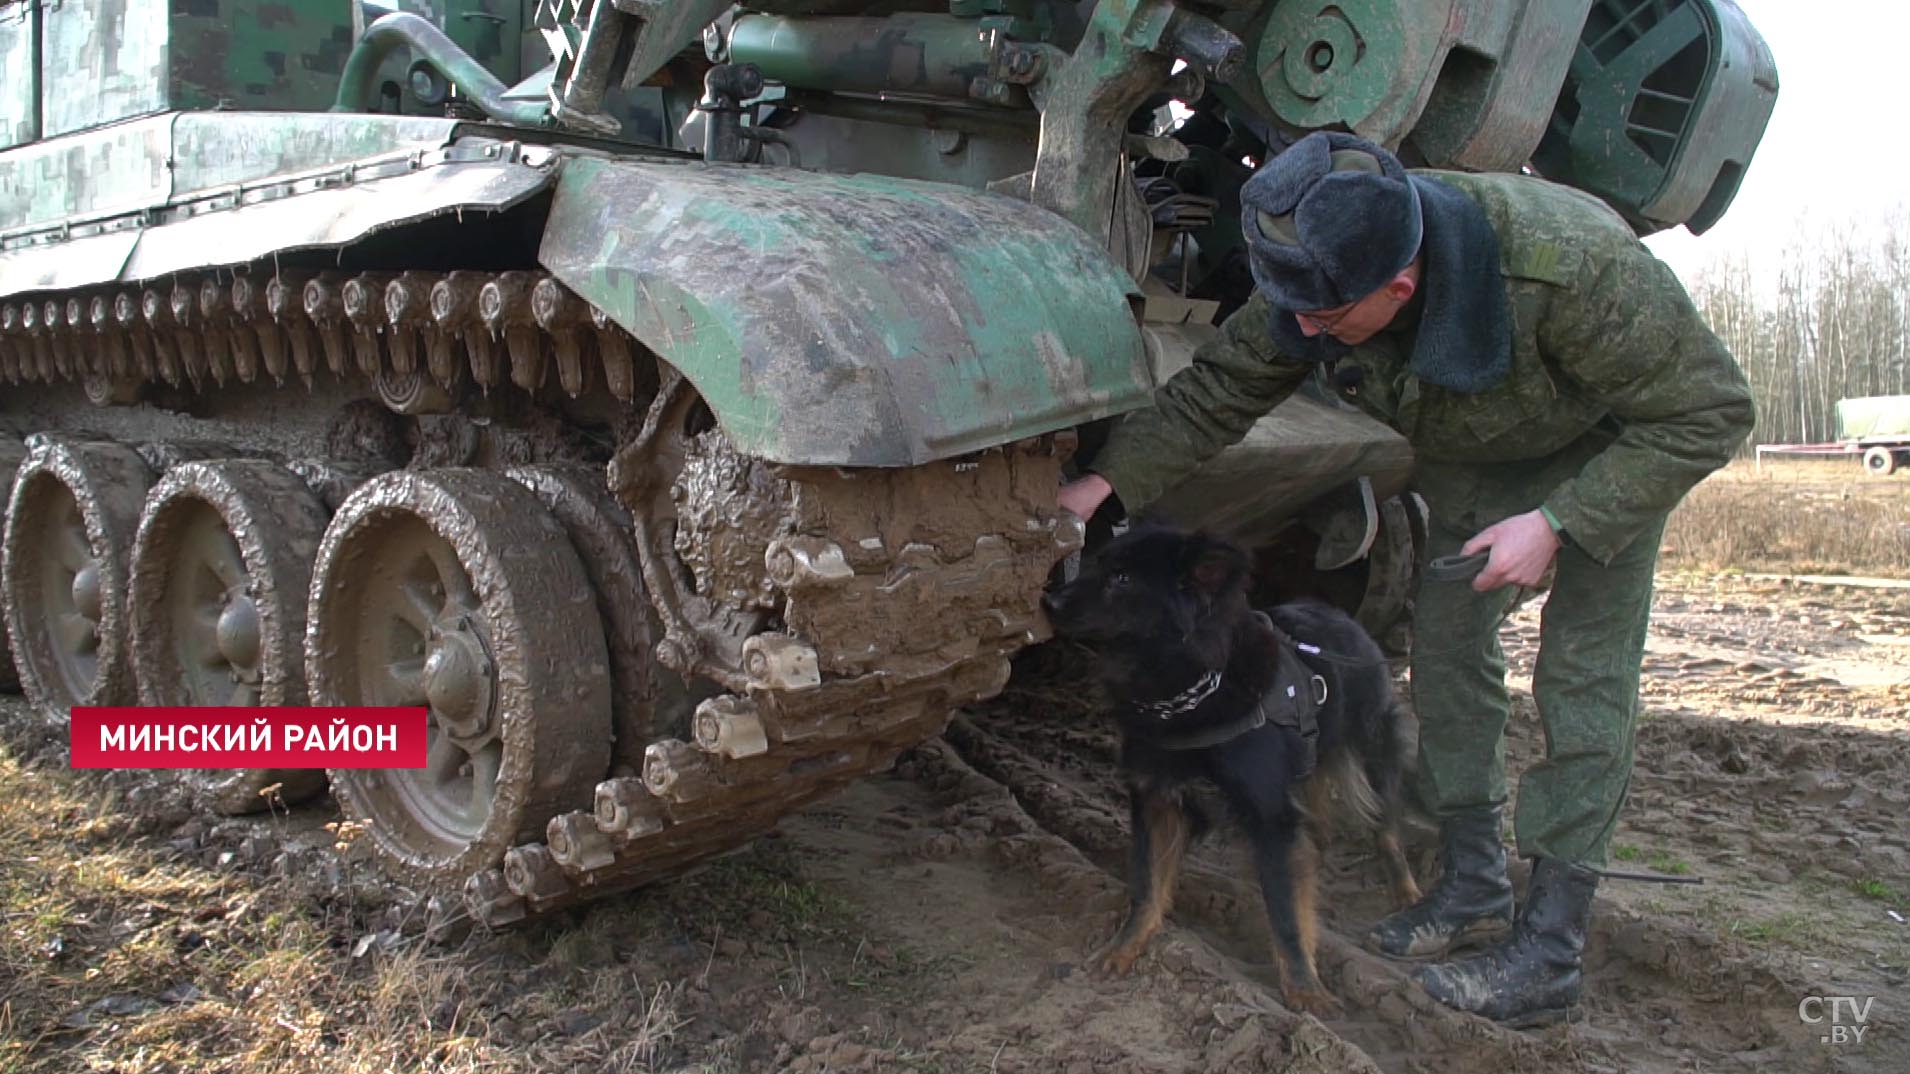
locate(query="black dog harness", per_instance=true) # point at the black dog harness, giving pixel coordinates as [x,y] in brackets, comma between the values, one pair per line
[1292,701]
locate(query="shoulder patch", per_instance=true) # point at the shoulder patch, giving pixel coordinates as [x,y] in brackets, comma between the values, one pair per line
[1548,262]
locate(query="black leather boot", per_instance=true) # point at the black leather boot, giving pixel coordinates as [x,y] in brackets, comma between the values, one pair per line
[1472,900]
[1533,978]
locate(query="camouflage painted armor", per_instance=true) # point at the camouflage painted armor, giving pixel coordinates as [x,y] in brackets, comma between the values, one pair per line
[1618,401]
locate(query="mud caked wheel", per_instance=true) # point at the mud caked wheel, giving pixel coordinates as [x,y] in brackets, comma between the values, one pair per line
[221,571]
[649,700]
[1880,461]
[12,453]
[456,590]
[70,523]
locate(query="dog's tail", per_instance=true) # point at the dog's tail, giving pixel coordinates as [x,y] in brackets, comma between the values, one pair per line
[1369,775]
[1346,771]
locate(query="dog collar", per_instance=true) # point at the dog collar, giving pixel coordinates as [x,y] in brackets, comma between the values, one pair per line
[1292,700]
[1184,702]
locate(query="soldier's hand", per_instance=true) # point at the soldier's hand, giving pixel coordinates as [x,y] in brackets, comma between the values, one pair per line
[1523,546]
[1084,497]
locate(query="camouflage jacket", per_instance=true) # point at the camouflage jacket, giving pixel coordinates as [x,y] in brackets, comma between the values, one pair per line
[1607,346]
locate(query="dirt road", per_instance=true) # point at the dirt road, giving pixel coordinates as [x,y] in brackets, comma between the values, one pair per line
[941,919]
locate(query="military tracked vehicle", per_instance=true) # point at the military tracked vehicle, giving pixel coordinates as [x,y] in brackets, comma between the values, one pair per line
[671,395]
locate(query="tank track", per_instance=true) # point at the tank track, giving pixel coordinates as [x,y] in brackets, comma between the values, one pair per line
[827,619]
[420,338]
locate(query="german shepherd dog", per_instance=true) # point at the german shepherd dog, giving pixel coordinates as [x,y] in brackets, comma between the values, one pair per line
[1187,664]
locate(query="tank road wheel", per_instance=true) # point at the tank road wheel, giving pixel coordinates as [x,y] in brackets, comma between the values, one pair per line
[456,590]
[1880,462]
[70,525]
[12,452]
[221,570]
[649,701]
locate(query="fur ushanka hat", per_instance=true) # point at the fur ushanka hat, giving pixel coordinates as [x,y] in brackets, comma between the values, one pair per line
[1329,221]
[1334,217]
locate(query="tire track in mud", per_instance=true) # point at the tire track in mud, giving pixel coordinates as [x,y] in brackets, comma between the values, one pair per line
[947,858]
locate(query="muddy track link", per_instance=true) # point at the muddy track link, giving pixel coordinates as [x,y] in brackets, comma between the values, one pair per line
[771,633]
[420,338]
[845,614]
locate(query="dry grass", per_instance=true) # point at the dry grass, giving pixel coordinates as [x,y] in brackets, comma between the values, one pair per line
[132,944]
[118,954]
[1822,517]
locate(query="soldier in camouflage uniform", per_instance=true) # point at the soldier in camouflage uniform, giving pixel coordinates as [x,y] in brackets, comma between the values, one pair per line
[1561,395]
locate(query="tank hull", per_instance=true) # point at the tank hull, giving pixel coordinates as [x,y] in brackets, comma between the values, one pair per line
[785,443]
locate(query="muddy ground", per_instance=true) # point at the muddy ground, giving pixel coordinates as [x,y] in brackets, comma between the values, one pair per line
[941,918]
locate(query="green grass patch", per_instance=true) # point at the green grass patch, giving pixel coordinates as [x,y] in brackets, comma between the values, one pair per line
[1881,892]
[1791,928]
[1655,859]
[1667,864]
[1785,926]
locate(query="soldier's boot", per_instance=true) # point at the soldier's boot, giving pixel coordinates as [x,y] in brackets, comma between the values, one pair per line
[1533,977]
[1471,903]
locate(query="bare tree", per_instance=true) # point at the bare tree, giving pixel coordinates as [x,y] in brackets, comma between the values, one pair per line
[1828,320]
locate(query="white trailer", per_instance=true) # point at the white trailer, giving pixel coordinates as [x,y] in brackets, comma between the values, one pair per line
[1874,427]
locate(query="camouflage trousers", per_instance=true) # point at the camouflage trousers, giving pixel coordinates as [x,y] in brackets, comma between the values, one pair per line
[1591,643]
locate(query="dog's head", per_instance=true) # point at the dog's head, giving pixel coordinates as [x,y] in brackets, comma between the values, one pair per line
[1156,589]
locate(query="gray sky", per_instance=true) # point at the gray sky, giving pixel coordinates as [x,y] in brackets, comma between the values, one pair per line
[1835,149]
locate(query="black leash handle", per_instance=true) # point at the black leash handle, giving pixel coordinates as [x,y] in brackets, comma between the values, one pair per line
[1457,568]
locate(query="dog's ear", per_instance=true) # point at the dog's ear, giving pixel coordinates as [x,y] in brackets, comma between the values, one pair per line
[1214,567]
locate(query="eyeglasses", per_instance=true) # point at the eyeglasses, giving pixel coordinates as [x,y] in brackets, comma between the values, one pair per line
[1326,324]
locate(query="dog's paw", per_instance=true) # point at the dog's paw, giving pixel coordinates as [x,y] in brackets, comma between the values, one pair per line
[1316,1001]
[1117,960]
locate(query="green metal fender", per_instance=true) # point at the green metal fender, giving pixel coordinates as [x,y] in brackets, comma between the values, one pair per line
[852,320]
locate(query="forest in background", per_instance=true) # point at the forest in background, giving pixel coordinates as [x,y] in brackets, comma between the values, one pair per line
[1825,318]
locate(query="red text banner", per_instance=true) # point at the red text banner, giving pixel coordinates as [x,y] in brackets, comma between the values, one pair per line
[249,737]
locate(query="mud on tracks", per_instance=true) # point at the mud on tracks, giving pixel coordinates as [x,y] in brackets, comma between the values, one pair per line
[942,918]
